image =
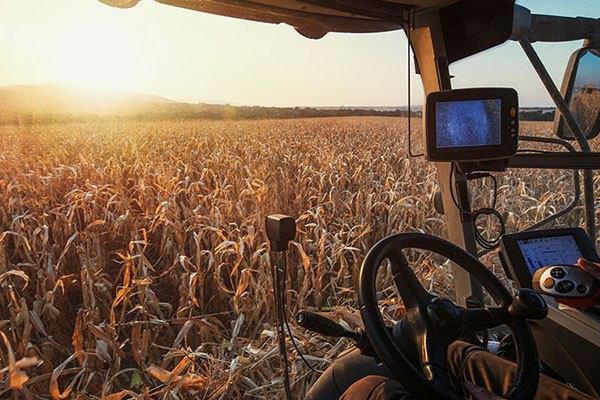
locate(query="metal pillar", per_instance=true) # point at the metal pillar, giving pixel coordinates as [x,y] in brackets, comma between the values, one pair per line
[430,53]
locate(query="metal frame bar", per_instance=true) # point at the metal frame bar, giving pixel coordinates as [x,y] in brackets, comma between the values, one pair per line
[384,11]
[569,118]
[308,24]
[576,181]
[557,160]
[429,49]
[553,28]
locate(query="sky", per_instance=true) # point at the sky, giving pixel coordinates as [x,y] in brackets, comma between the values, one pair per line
[189,56]
[587,70]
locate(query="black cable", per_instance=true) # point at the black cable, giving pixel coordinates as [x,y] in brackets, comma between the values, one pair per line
[480,239]
[280,311]
[484,242]
[287,323]
[288,390]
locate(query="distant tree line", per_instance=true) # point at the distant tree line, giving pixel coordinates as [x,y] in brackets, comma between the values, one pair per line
[537,114]
[182,111]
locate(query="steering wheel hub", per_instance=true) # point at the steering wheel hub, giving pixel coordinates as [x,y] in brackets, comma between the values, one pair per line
[444,315]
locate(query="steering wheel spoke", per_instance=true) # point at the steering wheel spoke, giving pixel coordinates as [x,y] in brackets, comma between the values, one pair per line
[478,319]
[413,292]
[434,359]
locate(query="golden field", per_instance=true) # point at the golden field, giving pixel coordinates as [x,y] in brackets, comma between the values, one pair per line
[133,261]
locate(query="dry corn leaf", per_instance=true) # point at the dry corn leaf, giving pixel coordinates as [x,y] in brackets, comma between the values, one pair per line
[54,389]
[106,338]
[174,377]
[15,272]
[16,377]
[236,331]
[182,333]
[77,337]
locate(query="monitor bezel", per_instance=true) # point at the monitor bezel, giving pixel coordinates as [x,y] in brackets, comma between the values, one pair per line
[508,143]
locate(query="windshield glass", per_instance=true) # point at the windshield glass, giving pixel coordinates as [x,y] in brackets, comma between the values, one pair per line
[142,149]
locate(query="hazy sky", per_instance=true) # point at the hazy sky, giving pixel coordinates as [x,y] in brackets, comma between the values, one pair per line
[186,55]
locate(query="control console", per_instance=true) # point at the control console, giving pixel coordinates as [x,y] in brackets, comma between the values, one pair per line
[568,340]
[524,253]
[568,284]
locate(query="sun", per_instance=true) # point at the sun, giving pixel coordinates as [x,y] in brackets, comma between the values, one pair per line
[96,56]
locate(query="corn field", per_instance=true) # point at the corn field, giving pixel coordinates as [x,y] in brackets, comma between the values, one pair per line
[133,262]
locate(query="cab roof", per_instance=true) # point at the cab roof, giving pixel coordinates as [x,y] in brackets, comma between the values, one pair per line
[469,26]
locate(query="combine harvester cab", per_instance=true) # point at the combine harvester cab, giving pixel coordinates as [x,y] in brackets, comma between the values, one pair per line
[553,314]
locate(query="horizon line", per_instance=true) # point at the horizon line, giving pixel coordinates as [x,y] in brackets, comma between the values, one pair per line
[226,103]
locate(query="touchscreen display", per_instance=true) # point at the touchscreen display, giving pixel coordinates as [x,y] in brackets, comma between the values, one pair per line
[541,252]
[468,123]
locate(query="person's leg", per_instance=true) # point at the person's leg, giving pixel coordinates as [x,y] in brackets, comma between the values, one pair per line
[467,362]
[482,368]
[375,387]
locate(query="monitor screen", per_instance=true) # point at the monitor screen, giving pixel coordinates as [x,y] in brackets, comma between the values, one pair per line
[468,123]
[541,252]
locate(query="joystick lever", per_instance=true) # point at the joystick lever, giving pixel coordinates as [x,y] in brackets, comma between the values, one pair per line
[325,326]
[281,229]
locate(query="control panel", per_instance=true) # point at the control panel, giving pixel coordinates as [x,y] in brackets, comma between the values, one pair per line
[524,253]
[566,281]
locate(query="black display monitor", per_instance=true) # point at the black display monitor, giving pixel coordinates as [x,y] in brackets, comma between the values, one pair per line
[471,124]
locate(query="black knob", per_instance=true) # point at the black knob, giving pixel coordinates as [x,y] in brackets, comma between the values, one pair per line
[528,304]
[564,286]
[558,273]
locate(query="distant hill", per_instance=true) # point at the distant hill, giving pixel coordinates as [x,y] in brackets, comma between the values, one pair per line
[57,101]
[35,104]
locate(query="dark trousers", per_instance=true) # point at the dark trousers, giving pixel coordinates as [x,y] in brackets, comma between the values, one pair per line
[466,363]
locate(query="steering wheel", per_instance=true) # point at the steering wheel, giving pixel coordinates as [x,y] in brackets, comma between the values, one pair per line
[433,323]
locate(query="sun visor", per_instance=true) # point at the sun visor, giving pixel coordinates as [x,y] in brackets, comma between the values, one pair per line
[469,26]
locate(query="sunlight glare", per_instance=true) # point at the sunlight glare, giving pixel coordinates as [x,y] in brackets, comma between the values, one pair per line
[95,56]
